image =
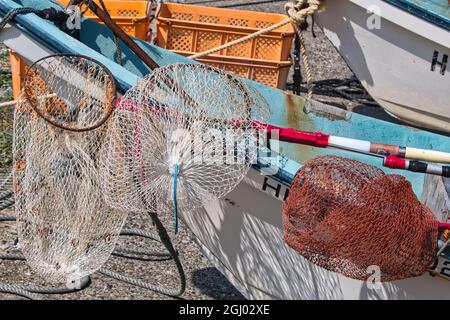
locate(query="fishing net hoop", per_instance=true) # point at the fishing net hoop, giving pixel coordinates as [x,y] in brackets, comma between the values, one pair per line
[110,93]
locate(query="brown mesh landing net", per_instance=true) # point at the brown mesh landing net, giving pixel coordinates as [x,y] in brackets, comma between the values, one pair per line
[345,216]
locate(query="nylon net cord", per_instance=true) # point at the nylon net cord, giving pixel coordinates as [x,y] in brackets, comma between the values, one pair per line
[345,216]
[66,231]
[155,133]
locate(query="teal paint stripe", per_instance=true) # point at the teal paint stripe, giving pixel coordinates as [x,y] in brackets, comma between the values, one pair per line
[426,11]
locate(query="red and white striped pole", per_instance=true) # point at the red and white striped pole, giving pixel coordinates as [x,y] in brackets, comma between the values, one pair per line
[319,139]
[416,166]
[395,157]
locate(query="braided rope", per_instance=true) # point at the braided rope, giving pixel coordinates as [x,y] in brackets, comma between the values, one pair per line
[13,13]
[296,15]
[18,290]
[7,219]
[6,180]
[6,194]
[5,204]
[241,40]
[33,292]
[306,63]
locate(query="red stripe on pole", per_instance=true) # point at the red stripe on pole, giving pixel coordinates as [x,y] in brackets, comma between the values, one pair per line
[315,139]
[443,225]
[395,162]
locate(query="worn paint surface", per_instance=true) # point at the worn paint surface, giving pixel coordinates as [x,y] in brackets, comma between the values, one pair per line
[97,41]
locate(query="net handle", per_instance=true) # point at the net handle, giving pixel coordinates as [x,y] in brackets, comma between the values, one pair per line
[59,125]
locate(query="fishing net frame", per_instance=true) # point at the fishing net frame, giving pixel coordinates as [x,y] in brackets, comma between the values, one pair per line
[157,107]
[95,72]
[66,231]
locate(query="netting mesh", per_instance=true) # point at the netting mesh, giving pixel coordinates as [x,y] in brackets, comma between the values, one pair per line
[70,91]
[66,230]
[187,118]
[346,216]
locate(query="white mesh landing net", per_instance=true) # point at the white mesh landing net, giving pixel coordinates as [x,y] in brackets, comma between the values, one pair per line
[186,126]
[66,230]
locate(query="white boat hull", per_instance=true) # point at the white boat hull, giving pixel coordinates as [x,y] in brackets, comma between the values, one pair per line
[243,236]
[393,62]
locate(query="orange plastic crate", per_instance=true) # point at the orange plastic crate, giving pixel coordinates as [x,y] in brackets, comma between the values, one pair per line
[188,29]
[131,16]
[18,72]
[271,73]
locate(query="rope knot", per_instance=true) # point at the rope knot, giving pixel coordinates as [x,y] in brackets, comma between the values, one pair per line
[300,9]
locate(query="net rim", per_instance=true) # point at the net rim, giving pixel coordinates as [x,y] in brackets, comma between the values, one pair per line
[58,124]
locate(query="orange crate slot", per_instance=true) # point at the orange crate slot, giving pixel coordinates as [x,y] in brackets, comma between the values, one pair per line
[197,28]
[271,73]
[131,16]
[189,29]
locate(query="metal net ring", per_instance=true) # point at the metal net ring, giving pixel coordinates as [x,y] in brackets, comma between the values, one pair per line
[71,91]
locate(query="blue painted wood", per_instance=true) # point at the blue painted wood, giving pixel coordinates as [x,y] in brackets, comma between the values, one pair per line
[286,110]
[434,11]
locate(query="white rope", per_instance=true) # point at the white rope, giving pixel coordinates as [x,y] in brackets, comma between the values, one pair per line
[14,102]
[8,104]
[299,15]
[296,15]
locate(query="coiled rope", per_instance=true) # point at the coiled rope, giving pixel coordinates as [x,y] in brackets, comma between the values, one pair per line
[297,13]
[35,292]
[6,203]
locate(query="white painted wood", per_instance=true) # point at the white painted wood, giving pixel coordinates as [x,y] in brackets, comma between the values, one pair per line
[397,16]
[427,155]
[349,143]
[393,62]
[435,196]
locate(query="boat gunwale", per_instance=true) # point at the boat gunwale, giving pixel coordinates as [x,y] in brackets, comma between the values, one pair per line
[422,13]
[405,20]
